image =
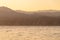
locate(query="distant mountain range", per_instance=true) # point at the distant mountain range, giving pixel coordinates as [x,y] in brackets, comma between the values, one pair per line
[37,18]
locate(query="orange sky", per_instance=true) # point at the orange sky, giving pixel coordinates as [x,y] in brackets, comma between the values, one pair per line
[31,5]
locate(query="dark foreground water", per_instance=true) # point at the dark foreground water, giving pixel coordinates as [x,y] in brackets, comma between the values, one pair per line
[29,32]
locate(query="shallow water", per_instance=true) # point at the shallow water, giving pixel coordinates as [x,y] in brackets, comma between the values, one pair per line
[29,32]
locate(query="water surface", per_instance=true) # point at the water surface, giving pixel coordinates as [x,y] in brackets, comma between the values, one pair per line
[29,32]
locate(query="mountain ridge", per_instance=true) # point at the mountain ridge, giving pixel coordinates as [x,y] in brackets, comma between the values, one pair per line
[13,17]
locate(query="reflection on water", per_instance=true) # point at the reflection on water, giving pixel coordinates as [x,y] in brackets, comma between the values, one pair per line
[29,33]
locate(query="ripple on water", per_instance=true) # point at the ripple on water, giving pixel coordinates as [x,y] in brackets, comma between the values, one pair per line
[29,33]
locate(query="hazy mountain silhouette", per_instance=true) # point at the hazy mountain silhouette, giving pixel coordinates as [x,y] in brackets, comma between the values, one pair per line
[18,17]
[43,17]
[8,15]
[52,13]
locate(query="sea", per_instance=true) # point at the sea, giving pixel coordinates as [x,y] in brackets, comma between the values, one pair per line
[29,32]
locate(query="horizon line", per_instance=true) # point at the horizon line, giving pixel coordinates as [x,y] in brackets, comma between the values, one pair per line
[33,10]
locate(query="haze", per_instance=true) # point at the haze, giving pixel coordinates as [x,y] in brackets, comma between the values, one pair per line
[31,5]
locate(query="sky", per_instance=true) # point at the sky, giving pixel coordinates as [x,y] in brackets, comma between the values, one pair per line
[31,5]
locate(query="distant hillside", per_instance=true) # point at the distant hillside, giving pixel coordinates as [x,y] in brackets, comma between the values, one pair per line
[9,16]
[38,18]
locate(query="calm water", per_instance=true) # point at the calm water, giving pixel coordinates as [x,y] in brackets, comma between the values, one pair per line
[29,32]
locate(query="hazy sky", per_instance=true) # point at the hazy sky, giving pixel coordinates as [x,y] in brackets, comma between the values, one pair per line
[31,5]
